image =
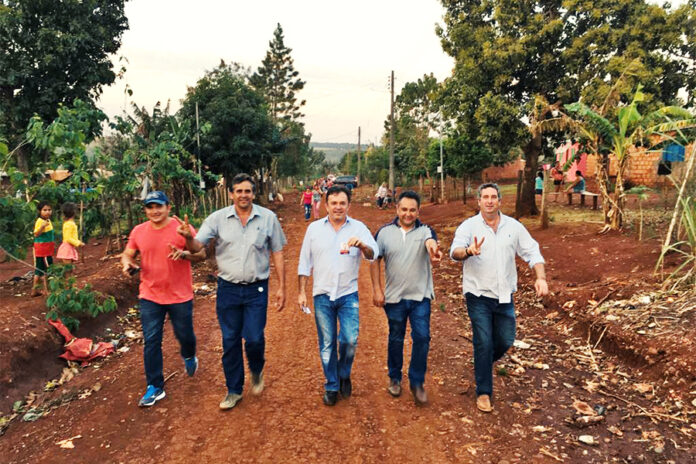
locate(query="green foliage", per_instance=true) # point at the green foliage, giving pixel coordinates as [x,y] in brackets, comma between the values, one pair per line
[68,303]
[278,80]
[16,223]
[463,157]
[686,248]
[507,54]
[53,53]
[241,135]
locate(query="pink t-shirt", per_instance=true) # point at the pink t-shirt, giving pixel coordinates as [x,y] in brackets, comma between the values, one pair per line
[307,198]
[162,280]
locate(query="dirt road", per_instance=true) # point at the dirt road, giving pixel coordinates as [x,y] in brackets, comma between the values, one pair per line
[288,422]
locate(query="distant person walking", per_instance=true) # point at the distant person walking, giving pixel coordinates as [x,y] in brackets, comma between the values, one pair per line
[246,237]
[166,287]
[44,246]
[407,247]
[306,202]
[557,176]
[316,201]
[487,244]
[331,251]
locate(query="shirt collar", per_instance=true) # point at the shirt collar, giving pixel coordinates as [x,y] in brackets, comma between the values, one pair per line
[503,219]
[416,225]
[348,220]
[233,212]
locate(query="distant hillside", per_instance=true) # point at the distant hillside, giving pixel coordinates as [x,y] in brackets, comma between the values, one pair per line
[334,151]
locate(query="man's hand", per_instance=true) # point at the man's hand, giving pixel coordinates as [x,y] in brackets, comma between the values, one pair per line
[433,250]
[302,300]
[541,287]
[127,268]
[475,248]
[280,299]
[355,242]
[176,254]
[184,228]
[378,297]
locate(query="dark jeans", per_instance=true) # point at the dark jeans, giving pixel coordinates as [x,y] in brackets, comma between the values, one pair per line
[241,312]
[398,314]
[327,313]
[307,210]
[493,326]
[152,317]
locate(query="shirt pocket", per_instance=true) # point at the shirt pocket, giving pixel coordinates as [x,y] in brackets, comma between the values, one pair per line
[261,238]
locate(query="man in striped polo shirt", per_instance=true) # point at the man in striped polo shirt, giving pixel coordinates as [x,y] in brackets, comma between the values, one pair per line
[407,247]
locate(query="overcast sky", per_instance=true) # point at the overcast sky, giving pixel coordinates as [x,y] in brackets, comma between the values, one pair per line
[345,52]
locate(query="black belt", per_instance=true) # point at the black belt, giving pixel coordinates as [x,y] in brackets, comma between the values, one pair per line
[244,284]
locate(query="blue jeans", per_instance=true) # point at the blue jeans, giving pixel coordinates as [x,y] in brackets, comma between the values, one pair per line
[493,326]
[344,310]
[152,317]
[307,210]
[398,314]
[241,312]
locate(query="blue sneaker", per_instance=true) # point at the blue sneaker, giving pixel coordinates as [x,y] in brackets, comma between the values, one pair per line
[191,365]
[151,396]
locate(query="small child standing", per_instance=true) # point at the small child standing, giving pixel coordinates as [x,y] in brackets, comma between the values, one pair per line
[44,246]
[67,251]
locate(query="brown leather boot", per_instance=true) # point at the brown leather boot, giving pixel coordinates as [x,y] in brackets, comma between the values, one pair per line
[483,402]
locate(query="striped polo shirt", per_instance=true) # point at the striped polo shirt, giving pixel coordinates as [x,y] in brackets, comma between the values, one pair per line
[406,261]
[44,244]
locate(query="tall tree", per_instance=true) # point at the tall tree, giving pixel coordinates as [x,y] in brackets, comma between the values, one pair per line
[278,80]
[53,52]
[509,53]
[242,136]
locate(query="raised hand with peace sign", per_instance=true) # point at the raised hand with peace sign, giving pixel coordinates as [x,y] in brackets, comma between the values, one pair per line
[475,248]
[184,228]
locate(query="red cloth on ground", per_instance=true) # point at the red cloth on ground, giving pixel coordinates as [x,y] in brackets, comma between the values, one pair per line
[81,349]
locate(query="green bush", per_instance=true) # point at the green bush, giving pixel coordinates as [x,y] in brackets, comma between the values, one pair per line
[67,302]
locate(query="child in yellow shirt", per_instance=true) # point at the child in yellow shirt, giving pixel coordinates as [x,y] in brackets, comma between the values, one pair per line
[43,246]
[67,252]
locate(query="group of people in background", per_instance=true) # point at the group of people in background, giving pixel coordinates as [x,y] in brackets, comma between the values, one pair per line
[578,185]
[44,243]
[246,237]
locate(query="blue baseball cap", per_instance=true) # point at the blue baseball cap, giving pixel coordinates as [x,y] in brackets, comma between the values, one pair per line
[156,197]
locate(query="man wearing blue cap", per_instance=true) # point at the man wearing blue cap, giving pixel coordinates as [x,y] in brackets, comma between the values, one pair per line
[166,287]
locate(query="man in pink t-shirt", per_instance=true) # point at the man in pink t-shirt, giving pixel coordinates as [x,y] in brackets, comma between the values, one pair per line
[166,287]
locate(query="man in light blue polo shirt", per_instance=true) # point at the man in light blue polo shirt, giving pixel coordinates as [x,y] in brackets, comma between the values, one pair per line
[331,251]
[245,235]
[487,244]
[407,247]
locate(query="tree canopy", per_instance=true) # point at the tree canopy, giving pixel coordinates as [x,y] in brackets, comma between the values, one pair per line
[242,136]
[54,52]
[509,53]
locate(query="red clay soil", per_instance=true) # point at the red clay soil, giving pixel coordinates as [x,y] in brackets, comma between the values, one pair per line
[533,420]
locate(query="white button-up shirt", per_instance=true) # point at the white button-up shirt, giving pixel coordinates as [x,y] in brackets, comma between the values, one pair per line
[493,273]
[335,274]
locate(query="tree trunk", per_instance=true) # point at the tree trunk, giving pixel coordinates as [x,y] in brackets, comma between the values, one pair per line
[526,204]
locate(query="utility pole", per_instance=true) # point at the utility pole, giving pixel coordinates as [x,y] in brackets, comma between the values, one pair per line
[198,143]
[359,155]
[442,175]
[391,136]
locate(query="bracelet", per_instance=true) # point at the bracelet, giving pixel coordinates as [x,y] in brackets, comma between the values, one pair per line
[466,251]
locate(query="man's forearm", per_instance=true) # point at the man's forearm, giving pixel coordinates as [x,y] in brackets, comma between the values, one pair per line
[301,283]
[367,251]
[540,271]
[460,254]
[375,274]
[279,267]
[198,256]
[193,245]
